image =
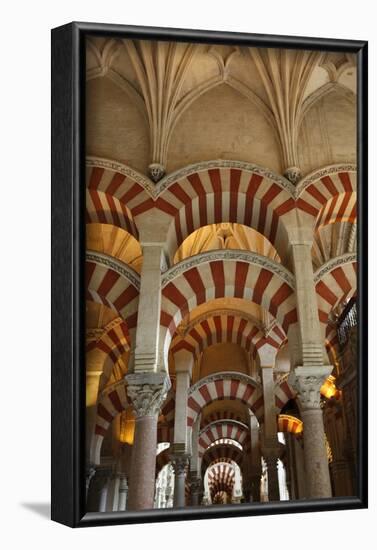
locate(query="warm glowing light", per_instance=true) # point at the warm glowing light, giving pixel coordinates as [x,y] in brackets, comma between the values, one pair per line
[127,427]
[329,389]
[288,423]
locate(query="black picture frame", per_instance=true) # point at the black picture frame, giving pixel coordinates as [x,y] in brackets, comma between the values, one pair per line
[68,254]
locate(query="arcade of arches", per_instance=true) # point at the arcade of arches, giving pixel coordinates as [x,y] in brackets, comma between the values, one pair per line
[221,275]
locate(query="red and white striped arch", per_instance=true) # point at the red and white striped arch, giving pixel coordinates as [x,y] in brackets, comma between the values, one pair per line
[115,285]
[328,195]
[222,430]
[214,193]
[114,343]
[111,402]
[341,208]
[335,282]
[227,328]
[219,453]
[224,385]
[219,415]
[283,393]
[220,274]
[112,191]
[289,424]
[193,197]
[221,477]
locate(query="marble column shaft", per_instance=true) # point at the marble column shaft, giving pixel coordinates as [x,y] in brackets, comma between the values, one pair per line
[147,393]
[180,464]
[308,381]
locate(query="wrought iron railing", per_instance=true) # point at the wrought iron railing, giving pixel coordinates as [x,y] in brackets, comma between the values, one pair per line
[346,321]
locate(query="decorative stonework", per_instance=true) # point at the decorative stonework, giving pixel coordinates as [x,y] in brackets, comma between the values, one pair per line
[154,190]
[226,375]
[115,166]
[235,255]
[147,392]
[104,58]
[293,174]
[218,313]
[307,382]
[156,171]
[335,63]
[333,263]
[180,463]
[321,173]
[236,423]
[116,265]
[222,163]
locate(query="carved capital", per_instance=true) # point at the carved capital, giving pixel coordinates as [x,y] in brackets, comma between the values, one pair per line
[180,463]
[307,382]
[156,171]
[293,174]
[147,392]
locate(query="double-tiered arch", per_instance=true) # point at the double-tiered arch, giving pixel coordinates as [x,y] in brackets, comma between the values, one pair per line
[228,273]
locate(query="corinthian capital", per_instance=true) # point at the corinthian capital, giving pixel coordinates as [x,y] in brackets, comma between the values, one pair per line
[307,381]
[180,463]
[147,392]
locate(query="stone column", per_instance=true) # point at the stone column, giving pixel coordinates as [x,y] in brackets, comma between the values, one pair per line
[90,471]
[256,465]
[183,361]
[180,463]
[113,493]
[271,454]
[196,490]
[291,466]
[307,347]
[307,381]
[145,357]
[147,392]
[271,447]
[123,492]
[255,480]
[97,494]
[300,468]
[195,479]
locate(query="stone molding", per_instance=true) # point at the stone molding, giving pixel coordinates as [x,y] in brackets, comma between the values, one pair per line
[147,392]
[226,375]
[321,173]
[227,312]
[229,254]
[155,190]
[116,265]
[236,423]
[333,263]
[307,382]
